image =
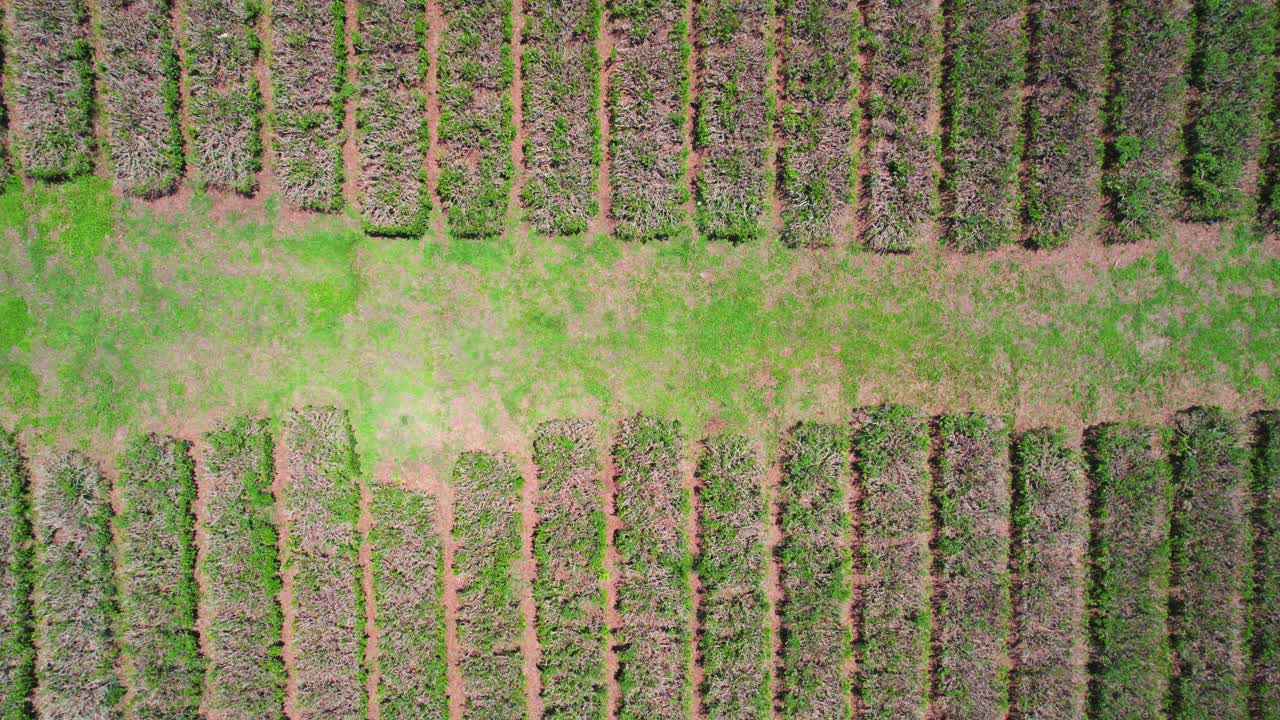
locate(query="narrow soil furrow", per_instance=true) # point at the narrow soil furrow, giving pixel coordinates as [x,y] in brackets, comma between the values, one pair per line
[267,184]
[517,117]
[363,526]
[603,222]
[693,72]
[445,501]
[612,620]
[528,571]
[435,25]
[775,85]
[857,578]
[692,518]
[350,151]
[773,580]
[288,610]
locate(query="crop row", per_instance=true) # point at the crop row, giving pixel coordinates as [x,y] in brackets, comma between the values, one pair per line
[972,494]
[155,524]
[49,63]
[1211,567]
[734,620]
[819,120]
[900,185]
[815,569]
[408,580]
[652,573]
[139,78]
[1064,120]
[475,71]
[648,91]
[321,503]
[486,527]
[1050,520]
[561,71]
[17,653]
[240,573]
[1233,73]
[75,583]
[308,73]
[220,47]
[734,116]
[988,45]
[891,447]
[1129,590]
[1264,694]
[392,132]
[568,547]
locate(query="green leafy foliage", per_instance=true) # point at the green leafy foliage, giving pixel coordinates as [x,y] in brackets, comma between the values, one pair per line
[1264,695]
[1211,567]
[17,579]
[486,565]
[891,458]
[1129,587]
[734,635]
[815,571]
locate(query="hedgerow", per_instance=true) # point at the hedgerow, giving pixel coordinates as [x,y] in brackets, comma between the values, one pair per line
[1264,696]
[17,578]
[475,72]
[819,119]
[392,133]
[408,580]
[1211,567]
[900,181]
[654,595]
[734,116]
[1051,523]
[984,121]
[891,456]
[561,71]
[1129,587]
[241,574]
[1233,73]
[75,591]
[647,96]
[321,506]
[1145,112]
[487,529]
[50,66]
[141,106]
[308,74]
[1064,120]
[734,633]
[971,493]
[224,100]
[158,594]
[568,546]
[815,571]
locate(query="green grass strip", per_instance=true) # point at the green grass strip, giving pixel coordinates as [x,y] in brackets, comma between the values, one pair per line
[1211,567]
[735,638]
[654,596]
[408,580]
[1264,697]
[568,547]
[891,451]
[983,106]
[972,496]
[158,595]
[487,529]
[819,119]
[241,574]
[816,571]
[1129,587]
[1051,522]
[321,505]
[75,591]
[475,71]
[17,578]
[1145,114]
[1233,72]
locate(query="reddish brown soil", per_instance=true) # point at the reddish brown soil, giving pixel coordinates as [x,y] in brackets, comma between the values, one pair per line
[853,614]
[517,110]
[862,141]
[435,26]
[443,493]
[603,223]
[695,85]
[261,70]
[775,135]
[773,582]
[289,653]
[351,153]
[528,571]
[692,485]
[200,510]
[178,13]
[102,167]
[612,621]
[363,526]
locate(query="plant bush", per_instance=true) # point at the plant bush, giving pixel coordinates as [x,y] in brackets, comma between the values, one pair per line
[1264,696]
[816,569]
[17,579]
